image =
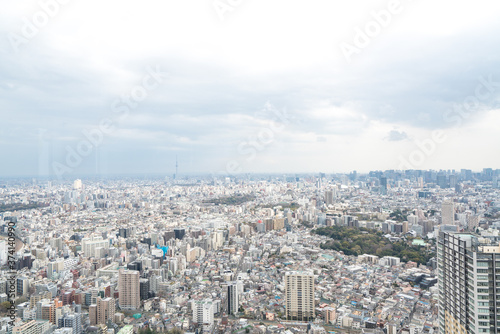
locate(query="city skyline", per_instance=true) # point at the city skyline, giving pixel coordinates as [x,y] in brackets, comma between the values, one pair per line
[300,253]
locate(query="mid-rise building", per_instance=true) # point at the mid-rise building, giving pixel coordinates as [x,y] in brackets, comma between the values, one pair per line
[73,321]
[203,313]
[91,245]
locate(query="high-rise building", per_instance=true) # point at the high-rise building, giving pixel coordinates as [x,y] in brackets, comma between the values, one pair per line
[73,321]
[442,181]
[232,298]
[144,288]
[453,181]
[299,295]
[406,227]
[203,313]
[179,233]
[383,185]
[448,213]
[77,184]
[420,182]
[468,284]
[128,289]
[54,267]
[23,285]
[329,197]
[102,311]
[124,232]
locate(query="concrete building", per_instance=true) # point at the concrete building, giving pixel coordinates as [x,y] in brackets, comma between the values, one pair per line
[73,321]
[203,313]
[29,327]
[90,246]
[299,295]
[448,213]
[129,289]
[232,298]
[102,311]
[467,287]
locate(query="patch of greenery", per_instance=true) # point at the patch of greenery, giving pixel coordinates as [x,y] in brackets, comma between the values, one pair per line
[174,330]
[231,200]
[307,224]
[21,206]
[353,241]
[399,215]
[292,206]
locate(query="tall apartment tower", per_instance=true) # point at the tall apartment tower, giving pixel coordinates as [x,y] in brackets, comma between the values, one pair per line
[102,311]
[383,185]
[232,298]
[467,281]
[299,292]
[129,289]
[448,213]
[203,313]
[329,197]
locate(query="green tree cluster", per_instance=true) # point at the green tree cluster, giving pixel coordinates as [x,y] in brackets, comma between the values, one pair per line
[354,241]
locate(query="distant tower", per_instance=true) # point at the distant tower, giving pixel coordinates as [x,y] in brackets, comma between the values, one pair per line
[77,184]
[176,167]
[383,185]
[448,213]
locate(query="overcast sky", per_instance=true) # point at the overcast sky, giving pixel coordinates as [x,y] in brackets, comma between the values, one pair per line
[247,86]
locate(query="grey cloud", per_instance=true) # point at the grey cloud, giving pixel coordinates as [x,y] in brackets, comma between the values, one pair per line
[395,135]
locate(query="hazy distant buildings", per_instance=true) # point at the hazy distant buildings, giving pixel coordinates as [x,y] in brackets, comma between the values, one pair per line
[442,181]
[448,213]
[383,185]
[329,197]
[77,184]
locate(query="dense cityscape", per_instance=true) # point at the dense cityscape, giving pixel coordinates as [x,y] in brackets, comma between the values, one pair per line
[249,167]
[384,252]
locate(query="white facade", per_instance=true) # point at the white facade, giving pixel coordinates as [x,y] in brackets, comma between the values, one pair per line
[203,312]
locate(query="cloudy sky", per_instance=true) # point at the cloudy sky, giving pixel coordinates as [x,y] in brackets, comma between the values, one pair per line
[227,86]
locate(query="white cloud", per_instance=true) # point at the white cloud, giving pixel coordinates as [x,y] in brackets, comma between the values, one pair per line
[221,73]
